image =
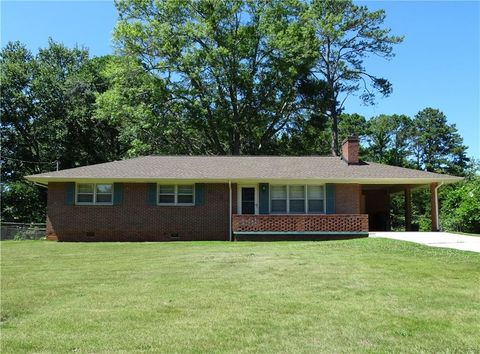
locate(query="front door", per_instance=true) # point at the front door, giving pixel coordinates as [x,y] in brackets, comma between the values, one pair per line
[248,200]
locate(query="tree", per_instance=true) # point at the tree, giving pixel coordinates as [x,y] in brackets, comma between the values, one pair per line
[47,106]
[437,145]
[351,124]
[348,34]
[389,139]
[235,67]
[460,208]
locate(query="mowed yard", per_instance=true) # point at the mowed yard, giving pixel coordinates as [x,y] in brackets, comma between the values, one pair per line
[364,295]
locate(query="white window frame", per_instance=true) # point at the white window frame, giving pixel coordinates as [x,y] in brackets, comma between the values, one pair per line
[306,199]
[94,202]
[176,203]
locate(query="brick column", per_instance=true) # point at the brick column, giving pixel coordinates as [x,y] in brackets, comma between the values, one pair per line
[434,204]
[408,208]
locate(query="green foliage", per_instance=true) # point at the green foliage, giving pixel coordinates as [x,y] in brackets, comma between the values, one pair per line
[32,233]
[388,138]
[137,105]
[232,69]
[247,72]
[460,207]
[437,145]
[47,107]
[23,202]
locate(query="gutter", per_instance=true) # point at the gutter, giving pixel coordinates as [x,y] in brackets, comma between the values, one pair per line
[379,181]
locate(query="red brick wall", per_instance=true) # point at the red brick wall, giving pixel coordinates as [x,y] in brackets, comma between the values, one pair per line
[331,222]
[348,198]
[135,220]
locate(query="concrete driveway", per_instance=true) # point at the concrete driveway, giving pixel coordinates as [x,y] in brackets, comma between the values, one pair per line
[435,239]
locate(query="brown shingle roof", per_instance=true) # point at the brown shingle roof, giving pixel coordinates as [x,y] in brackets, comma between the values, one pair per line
[244,168]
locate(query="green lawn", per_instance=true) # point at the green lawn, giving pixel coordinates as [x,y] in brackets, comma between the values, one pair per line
[364,295]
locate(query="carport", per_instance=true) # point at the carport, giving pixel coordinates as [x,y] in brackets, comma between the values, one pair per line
[375,201]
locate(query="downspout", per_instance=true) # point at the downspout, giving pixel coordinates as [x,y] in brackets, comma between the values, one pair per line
[436,207]
[230,210]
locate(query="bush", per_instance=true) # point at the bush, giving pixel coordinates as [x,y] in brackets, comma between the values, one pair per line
[460,209]
[28,234]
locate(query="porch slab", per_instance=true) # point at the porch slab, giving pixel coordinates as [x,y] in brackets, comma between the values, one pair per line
[435,239]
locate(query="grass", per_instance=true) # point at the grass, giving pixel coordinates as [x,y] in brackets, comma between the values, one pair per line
[364,295]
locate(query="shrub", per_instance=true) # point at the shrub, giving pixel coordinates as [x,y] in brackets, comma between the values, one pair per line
[461,207]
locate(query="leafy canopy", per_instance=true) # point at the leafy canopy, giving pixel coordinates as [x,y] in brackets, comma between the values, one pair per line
[234,67]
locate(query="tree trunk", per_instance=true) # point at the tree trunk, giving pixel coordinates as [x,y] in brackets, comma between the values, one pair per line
[334,117]
[236,150]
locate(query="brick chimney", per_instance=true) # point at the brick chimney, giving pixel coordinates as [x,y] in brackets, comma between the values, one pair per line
[350,150]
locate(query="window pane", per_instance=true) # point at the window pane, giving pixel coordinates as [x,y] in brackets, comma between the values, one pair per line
[279,192]
[85,198]
[104,198]
[315,206]
[315,192]
[167,189]
[185,199]
[85,188]
[279,206]
[297,206]
[166,199]
[104,188]
[297,192]
[185,189]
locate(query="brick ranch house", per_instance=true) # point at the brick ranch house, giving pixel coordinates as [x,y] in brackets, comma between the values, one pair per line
[163,198]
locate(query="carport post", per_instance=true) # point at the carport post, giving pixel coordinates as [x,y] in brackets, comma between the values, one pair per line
[408,208]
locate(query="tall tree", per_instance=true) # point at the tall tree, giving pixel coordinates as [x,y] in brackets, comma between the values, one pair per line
[437,145]
[389,139]
[348,34]
[235,66]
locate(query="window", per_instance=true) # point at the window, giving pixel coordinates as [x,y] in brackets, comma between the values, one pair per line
[297,199]
[91,193]
[315,199]
[185,194]
[166,194]
[175,194]
[278,203]
[85,193]
[103,193]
